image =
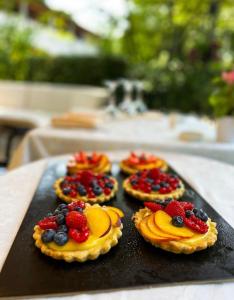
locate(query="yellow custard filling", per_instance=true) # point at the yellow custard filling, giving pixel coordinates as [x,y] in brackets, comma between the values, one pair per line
[71,245]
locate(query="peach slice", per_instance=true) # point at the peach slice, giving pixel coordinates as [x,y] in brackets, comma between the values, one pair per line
[145,231]
[99,221]
[117,210]
[154,228]
[163,221]
[115,219]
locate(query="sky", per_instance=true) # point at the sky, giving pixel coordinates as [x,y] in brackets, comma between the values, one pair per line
[93,14]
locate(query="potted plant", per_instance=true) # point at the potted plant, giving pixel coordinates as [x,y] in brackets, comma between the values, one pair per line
[222,101]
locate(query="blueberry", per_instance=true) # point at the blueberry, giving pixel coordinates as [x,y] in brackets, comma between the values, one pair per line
[64,211]
[81,190]
[195,210]
[93,183]
[62,206]
[161,202]
[79,209]
[202,215]
[189,213]
[97,190]
[133,181]
[164,184]
[57,212]
[62,228]
[109,185]
[149,180]
[60,219]
[49,214]
[167,201]
[178,221]
[66,190]
[48,235]
[155,187]
[60,238]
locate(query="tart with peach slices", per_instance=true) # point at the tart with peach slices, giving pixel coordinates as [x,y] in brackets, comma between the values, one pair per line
[134,163]
[86,186]
[176,227]
[153,185]
[96,162]
[79,231]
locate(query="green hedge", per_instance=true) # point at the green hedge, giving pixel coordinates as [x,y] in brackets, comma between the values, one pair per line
[76,70]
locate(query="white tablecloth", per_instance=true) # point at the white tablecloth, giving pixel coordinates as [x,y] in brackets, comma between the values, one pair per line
[153,132]
[213,180]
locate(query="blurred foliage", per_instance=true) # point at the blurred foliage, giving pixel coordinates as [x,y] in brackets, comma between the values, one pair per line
[19,60]
[76,69]
[222,96]
[15,50]
[177,47]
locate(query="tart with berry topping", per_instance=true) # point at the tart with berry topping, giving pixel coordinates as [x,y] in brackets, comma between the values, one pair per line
[153,185]
[79,231]
[96,162]
[176,226]
[86,186]
[134,163]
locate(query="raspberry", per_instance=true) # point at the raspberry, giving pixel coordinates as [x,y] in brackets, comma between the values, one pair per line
[78,236]
[174,208]
[196,224]
[48,223]
[154,173]
[75,219]
[75,205]
[86,178]
[107,191]
[164,190]
[73,194]
[187,205]
[153,206]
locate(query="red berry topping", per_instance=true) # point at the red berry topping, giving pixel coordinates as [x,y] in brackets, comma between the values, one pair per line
[153,206]
[48,223]
[187,205]
[73,194]
[78,236]
[75,205]
[107,191]
[174,208]
[75,219]
[86,177]
[196,224]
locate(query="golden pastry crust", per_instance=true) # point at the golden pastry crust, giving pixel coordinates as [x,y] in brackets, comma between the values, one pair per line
[99,199]
[185,245]
[80,256]
[153,196]
[128,169]
[104,166]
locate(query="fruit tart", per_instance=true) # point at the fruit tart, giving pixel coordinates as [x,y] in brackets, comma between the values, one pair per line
[134,163]
[78,231]
[175,226]
[96,162]
[153,185]
[86,186]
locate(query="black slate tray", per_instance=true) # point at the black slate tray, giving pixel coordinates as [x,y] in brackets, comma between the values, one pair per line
[132,263]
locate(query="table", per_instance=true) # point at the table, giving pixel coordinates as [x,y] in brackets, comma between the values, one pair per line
[154,131]
[215,186]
